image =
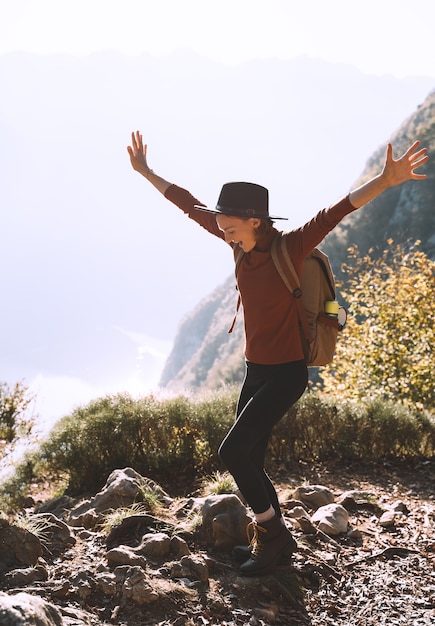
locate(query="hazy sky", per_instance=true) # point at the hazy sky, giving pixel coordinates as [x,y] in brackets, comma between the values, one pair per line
[377,36]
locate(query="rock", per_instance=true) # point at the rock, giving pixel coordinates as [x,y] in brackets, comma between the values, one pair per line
[154,545]
[390,518]
[197,567]
[133,527]
[178,572]
[314,496]
[125,556]
[332,519]
[19,547]
[354,500]
[355,533]
[130,583]
[356,494]
[293,504]
[58,506]
[88,518]
[307,526]
[225,521]
[297,512]
[23,609]
[179,547]
[134,585]
[399,506]
[57,535]
[123,488]
[26,576]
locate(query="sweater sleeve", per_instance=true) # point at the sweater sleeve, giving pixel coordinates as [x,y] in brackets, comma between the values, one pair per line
[184,200]
[302,240]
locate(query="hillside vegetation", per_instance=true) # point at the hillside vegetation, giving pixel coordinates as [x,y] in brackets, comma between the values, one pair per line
[174,441]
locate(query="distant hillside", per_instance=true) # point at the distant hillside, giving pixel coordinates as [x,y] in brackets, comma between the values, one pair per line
[205,356]
[401,213]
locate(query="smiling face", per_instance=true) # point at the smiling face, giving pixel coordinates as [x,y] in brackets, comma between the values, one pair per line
[238,230]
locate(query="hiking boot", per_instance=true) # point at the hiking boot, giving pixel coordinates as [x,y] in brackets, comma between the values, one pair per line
[242,553]
[271,541]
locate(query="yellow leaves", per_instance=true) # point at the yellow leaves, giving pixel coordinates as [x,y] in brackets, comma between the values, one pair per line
[387,347]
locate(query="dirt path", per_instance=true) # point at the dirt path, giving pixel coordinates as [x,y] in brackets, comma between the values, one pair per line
[370,576]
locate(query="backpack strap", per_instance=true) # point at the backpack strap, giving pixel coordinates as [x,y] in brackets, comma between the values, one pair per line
[238,256]
[287,271]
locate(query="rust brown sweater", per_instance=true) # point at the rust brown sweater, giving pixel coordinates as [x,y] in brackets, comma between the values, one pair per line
[271,325]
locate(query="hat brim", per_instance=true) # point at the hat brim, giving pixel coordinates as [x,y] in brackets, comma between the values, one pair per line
[234,214]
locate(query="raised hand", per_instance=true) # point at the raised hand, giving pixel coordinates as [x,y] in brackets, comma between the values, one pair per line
[397,171]
[138,154]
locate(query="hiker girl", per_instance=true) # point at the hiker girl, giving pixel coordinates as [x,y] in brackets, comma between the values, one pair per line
[276,371]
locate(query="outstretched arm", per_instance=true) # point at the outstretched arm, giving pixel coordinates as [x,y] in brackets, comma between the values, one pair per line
[394,173]
[138,159]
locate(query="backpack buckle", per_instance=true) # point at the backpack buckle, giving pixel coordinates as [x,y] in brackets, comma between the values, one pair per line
[297,292]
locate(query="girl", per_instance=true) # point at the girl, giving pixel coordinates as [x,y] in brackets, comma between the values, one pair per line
[276,372]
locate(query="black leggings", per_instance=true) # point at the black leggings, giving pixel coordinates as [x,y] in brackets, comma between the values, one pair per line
[268,391]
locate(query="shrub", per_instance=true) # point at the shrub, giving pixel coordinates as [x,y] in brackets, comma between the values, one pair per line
[323,427]
[162,439]
[14,418]
[174,442]
[386,348]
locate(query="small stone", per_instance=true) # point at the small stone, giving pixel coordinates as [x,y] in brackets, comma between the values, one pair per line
[332,519]
[297,512]
[354,533]
[314,496]
[125,556]
[399,507]
[390,518]
[197,567]
[179,547]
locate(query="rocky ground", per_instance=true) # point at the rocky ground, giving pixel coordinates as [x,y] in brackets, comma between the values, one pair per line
[374,573]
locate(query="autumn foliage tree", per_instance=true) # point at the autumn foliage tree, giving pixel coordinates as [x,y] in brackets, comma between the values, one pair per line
[386,348]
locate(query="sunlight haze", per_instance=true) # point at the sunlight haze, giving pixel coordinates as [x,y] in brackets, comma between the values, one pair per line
[377,36]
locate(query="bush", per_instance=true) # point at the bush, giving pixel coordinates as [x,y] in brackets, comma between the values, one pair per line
[161,439]
[175,441]
[322,427]
[14,420]
[386,348]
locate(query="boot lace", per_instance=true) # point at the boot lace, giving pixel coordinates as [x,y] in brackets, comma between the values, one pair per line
[255,541]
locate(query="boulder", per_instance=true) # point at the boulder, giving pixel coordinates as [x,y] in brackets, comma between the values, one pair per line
[123,488]
[154,545]
[23,609]
[125,556]
[179,546]
[127,583]
[190,568]
[26,576]
[19,547]
[225,521]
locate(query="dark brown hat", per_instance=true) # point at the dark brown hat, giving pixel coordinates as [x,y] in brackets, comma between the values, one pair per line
[243,200]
